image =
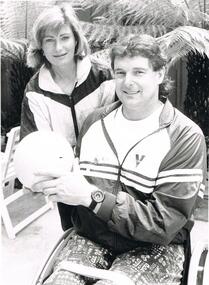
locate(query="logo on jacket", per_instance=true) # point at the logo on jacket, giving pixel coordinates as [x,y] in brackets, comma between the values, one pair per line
[96,161]
[139,159]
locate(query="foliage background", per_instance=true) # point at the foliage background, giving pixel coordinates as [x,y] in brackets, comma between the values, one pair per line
[103,21]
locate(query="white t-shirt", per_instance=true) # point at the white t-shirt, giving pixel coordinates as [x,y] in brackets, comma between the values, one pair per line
[125,133]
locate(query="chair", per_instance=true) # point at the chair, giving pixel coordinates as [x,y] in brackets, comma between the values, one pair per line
[197,266]
[8,195]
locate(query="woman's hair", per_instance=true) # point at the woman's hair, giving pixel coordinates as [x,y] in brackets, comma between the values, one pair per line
[146,46]
[54,18]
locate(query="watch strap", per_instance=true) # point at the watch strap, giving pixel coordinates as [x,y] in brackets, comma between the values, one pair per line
[92,205]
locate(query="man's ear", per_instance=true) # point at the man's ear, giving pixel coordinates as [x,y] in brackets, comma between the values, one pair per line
[161,74]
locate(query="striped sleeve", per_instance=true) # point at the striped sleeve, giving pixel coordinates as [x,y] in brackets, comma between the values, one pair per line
[180,182]
[186,165]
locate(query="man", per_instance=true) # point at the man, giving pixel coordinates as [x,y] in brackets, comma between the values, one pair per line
[142,168]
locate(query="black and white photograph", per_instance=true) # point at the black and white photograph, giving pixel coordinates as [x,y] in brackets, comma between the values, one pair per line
[104,142]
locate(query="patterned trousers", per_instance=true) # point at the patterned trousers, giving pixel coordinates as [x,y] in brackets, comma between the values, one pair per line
[152,265]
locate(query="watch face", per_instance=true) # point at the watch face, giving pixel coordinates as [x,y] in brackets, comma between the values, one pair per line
[98,196]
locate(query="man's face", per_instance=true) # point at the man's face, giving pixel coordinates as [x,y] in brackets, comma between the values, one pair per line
[137,84]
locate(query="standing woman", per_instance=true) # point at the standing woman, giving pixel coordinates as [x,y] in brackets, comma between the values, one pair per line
[67,86]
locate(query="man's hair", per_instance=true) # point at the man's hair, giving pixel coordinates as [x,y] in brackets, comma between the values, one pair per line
[53,18]
[146,46]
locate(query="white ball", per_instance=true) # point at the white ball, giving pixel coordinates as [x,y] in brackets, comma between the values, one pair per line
[42,151]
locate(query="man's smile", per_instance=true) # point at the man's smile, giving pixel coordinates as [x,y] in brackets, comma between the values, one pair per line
[131,92]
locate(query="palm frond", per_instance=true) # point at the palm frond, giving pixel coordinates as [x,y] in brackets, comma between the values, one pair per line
[102,36]
[170,13]
[13,48]
[176,44]
[183,40]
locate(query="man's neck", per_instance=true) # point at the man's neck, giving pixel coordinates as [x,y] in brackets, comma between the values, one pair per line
[140,113]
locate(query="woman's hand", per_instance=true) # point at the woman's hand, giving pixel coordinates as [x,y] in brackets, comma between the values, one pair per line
[69,188]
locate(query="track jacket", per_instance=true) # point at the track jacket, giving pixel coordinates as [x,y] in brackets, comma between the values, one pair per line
[46,107]
[147,202]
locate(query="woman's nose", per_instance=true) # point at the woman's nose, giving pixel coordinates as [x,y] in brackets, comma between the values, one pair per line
[58,45]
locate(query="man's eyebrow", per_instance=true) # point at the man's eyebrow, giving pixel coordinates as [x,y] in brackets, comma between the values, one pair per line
[139,68]
[134,69]
[48,36]
[116,69]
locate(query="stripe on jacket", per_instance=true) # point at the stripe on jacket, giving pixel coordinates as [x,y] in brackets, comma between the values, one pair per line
[140,182]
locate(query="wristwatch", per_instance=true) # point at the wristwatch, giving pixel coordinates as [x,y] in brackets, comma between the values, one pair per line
[97,196]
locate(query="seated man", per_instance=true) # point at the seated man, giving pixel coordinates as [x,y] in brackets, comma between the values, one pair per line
[141,170]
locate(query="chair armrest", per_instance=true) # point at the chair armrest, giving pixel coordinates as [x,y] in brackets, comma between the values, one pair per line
[195,267]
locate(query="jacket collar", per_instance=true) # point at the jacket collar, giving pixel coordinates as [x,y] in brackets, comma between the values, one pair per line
[166,116]
[46,82]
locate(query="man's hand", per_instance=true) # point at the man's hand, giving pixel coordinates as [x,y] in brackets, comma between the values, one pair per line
[69,188]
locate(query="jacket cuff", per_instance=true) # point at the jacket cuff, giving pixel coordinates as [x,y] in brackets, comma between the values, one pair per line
[105,210]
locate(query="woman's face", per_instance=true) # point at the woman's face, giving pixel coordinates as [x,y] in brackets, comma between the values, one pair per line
[59,46]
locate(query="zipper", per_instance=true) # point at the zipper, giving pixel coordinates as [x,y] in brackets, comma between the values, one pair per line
[73,112]
[120,165]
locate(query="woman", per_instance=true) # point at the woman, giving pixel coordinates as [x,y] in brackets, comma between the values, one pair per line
[66,87]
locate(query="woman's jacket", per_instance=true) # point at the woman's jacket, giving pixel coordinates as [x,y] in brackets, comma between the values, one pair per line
[46,107]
